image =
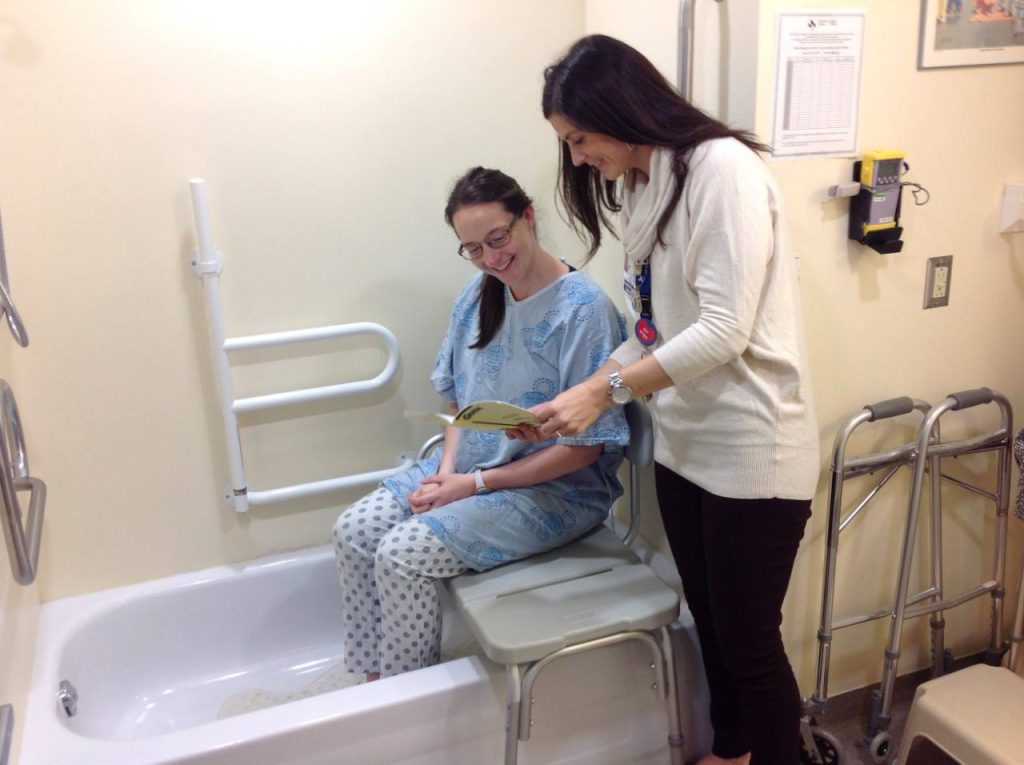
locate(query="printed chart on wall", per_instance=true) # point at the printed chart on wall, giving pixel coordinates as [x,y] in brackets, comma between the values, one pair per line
[817,83]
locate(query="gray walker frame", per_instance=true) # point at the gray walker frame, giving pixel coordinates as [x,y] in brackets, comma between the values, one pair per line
[923,456]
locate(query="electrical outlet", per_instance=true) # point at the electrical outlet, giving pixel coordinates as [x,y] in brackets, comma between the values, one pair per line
[936,282]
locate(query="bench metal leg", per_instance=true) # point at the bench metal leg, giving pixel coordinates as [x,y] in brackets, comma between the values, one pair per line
[512,712]
[530,677]
[520,688]
[675,722]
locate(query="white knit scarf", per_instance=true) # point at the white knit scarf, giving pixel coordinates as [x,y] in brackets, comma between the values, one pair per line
[643,204]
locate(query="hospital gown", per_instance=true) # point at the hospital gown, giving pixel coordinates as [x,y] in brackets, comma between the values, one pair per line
[548,342]
[389,559]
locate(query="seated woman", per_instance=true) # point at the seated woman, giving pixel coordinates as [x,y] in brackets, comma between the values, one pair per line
[524,329]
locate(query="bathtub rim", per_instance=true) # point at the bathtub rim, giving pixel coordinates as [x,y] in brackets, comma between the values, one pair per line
[60,619]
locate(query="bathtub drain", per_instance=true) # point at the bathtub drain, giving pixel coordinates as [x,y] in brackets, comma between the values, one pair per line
[68,698]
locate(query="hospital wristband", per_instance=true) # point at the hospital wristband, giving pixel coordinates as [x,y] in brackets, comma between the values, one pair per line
[478,479]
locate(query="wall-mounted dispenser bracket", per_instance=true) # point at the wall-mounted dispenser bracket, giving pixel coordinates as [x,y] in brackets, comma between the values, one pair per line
[886,242]
[875,209]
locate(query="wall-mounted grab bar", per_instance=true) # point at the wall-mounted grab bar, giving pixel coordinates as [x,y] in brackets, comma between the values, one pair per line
[729,42]
[6,732]
[7,308]
[687,17]
[208,264]
[340,390]
[22,536]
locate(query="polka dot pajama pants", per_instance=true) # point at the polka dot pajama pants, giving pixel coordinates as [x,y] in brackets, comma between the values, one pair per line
[388,562]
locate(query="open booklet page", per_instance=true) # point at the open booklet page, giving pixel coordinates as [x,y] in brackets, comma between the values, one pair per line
[481,415]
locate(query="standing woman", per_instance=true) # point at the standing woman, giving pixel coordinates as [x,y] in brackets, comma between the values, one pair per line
[718,341]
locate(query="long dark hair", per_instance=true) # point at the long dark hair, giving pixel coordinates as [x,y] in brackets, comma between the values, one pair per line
[604,86]
[481,185]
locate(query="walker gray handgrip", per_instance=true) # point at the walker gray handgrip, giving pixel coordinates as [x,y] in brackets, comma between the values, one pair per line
[968,398]
[892,407]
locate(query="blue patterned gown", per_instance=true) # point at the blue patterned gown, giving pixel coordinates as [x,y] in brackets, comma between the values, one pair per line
[548,342]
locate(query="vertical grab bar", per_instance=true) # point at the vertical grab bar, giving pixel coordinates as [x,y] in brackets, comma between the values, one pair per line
[6,732]
[687,16]
[207,264]
[22,537]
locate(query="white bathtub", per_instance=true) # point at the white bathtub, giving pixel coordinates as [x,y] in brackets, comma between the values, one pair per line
[154,662]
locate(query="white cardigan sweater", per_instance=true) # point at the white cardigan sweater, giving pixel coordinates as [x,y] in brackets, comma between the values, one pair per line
[739,419]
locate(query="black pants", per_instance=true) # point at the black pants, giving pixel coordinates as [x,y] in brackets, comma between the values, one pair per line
[735,557]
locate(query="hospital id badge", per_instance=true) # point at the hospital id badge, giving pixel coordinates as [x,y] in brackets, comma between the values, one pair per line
[629,289]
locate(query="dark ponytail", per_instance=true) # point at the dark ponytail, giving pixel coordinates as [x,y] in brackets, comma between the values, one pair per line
[480,186]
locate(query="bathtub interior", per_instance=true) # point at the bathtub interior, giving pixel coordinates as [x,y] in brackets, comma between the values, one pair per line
[158,665]
[214,648]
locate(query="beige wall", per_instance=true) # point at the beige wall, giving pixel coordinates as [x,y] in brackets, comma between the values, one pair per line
[19,606]
[869,337]
[328,135]
[19,614]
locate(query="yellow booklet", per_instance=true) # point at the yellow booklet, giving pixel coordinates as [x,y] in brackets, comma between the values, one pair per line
[481,415]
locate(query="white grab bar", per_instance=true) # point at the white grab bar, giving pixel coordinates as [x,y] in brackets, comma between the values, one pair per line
[340,390]
[687,17]
[208,264]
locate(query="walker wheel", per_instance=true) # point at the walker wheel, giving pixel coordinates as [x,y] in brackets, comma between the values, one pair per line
[879,747]
[829,750]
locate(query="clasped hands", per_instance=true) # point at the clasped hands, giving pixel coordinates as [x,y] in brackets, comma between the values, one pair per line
[438,490]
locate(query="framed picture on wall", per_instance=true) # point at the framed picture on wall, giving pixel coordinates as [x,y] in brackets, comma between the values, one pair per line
[971,32]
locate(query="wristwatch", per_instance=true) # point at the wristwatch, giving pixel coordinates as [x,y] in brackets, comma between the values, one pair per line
[478,479]
[618,391]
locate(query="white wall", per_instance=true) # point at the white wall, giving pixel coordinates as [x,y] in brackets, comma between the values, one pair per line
[329,135]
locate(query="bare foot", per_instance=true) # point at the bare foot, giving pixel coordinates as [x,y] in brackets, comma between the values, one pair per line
[713,759]
[371,676]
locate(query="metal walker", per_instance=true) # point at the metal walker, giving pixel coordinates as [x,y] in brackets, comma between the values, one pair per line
[819,746]
[923,455]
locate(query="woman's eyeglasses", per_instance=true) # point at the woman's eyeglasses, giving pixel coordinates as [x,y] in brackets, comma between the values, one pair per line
[495,240]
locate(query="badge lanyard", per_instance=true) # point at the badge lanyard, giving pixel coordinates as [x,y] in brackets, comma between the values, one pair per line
[644,328]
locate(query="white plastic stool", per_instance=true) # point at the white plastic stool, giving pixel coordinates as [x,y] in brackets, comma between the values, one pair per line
[975,715]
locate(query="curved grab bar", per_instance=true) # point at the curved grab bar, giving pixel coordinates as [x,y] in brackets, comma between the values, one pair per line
[687,15]
[22,539]
[340,390]
[7,308]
